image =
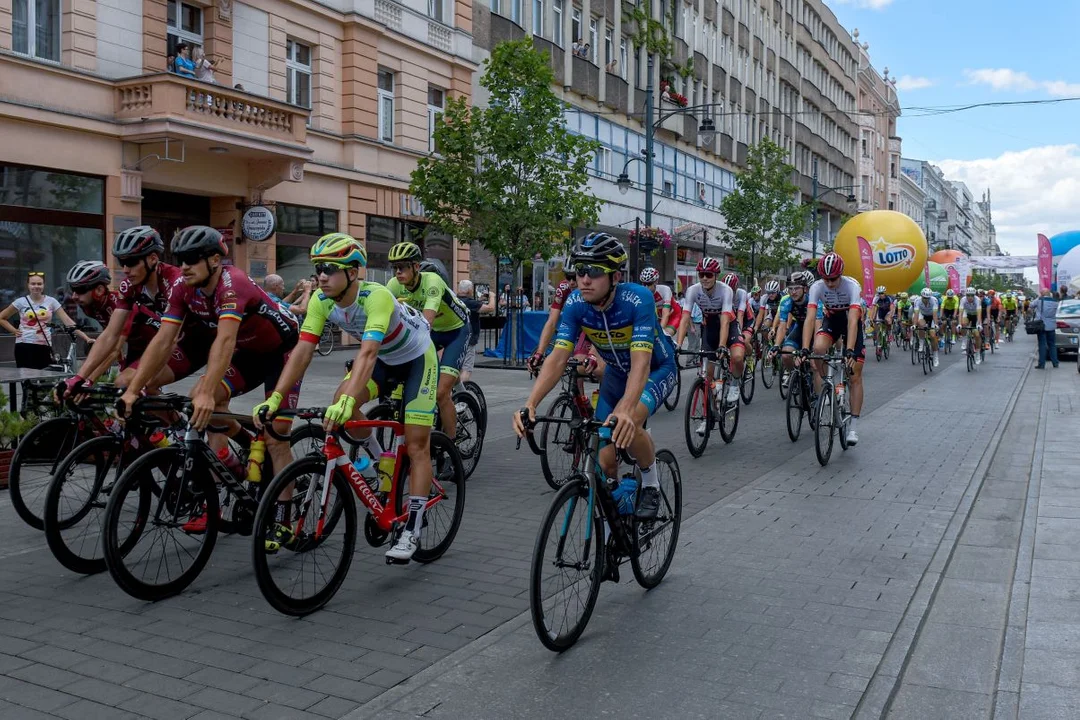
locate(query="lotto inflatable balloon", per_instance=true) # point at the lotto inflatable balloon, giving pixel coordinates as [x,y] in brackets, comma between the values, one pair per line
[944,257]
[896,242]
[1062,243]
[939,280]
[1068,267]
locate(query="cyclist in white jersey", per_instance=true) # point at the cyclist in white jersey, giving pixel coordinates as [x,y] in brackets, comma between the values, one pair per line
[840,297]
[927,309]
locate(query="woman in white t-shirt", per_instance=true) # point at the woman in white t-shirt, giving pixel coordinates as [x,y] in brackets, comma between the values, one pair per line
[35,309]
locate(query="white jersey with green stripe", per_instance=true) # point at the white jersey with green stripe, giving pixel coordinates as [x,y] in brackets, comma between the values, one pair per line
[403,332]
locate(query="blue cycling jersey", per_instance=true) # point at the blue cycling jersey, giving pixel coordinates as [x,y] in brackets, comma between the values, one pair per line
[629,325]
[789,308]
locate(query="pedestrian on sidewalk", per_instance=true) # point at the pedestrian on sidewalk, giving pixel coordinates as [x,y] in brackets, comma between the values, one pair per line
[1046,311]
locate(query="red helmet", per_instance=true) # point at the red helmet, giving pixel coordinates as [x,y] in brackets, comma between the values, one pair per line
[830,266]
[732,281]
[708,264]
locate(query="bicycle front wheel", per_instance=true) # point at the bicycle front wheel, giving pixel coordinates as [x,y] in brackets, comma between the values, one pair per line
[729,413]
[656,539]
[472,387]
[326,341]
[302,574]
[154,550]
[770,370]
[35,460]
[747,385]
[567,565]
[558,451]
[697,420]
[823,432]
[794,406]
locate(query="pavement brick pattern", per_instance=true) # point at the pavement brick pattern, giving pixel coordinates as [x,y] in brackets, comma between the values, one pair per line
[783,599]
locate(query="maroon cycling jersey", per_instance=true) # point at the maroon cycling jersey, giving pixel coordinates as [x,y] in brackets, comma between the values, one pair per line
[101,312]
[131,295]
[561,293]
[264,326]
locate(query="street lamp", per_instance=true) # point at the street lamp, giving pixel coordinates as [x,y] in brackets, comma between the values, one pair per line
[819,191]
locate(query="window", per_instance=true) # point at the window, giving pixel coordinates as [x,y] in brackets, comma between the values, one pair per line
[603,161]
[609,49]
[575,26]
[35,28]
[496,7]
[515,11]
[593,48]
[556,32]
[622,58]
[297,73]
[436,102]
[185,24]
[538,17]
[436,10]
[701,192]
[669,189]
[386,106]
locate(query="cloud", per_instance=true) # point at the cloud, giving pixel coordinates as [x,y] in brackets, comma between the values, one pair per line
[1032,191]
[907,82]
[872,4]
[1004,79]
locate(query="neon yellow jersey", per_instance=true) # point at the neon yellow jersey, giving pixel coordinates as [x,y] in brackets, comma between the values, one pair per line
[431,293]
[950,303]
[402,332]
[1009,303]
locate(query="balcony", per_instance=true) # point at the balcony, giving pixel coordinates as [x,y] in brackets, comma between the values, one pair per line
[160,105]
[673,123]
[586,78]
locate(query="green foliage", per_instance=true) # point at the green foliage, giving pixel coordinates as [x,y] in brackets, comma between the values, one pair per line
[686,70]
[989,280]
[764,218]
[13,425]
[509,177]
[650,34]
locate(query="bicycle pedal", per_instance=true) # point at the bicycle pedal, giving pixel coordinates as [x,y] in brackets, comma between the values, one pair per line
[392,561]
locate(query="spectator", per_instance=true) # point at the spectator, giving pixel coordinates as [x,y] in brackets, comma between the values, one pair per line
[33,337]
[1046,311]
[204,66]
[170,63]
[239,87]
[467,293]
[612,66]
[296,301]
[183,64]
[576,47]
[586,52]
[538,300]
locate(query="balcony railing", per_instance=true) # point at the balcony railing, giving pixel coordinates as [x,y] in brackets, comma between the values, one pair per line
[166,97]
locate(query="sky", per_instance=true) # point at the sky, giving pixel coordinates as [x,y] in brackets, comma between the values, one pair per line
[960,52]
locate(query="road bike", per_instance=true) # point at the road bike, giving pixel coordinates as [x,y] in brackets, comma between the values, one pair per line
[708,404]
[307,570]
[801,400]
[772,368]
[326,340]
[558,447]
[948,335]
[749,376]
[833,411]
[590,530]
[881,340]
[922,348]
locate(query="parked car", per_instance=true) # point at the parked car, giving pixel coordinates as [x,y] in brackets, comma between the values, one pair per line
[1068,327]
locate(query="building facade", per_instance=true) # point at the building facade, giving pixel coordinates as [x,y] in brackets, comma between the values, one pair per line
[780,69]
[913,201]
[939,216]
[879,145]
[317,111]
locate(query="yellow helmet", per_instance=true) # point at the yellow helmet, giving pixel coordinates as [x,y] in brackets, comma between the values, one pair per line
[339,248]
[405,252]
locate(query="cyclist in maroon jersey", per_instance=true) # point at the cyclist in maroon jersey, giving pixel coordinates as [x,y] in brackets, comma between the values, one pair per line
[252,334]
[136,316]
[583,350]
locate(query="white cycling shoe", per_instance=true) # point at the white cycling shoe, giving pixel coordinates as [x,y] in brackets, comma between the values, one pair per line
[701,429]
[404,549]
[732,394]
[852,437]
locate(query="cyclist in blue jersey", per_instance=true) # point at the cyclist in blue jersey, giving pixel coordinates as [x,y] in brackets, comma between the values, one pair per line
[620,321]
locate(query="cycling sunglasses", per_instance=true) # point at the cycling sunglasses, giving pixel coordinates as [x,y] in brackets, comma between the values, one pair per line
[189,258]
[593,271]
[328,269]
[401,267]
[706,275]
[35,273]
[129,262]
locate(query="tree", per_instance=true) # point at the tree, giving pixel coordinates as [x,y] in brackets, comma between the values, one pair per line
[764,217]
[989,280]
[510,176]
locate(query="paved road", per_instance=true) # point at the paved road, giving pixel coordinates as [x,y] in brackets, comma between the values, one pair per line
[78,647]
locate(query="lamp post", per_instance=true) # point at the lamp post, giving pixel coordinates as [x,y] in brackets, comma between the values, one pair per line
[818,191]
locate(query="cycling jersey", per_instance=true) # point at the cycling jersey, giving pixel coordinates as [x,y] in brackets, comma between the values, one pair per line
[884,305]
[753,303]
[927,308]
[1009,304]
[561,293]
[772,304]
[712,303]
[950,303]
[401,331]
[664,299]
[431,293]
[629,325]
[970,306]
[101,312]
[796,311]
[264,327]
[130,295]
[847,295]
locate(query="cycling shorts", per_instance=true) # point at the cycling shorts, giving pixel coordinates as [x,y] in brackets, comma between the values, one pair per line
[882,314]
[184,359]
[972,320]
[420,380]
[1010,313]
[994,312]
[249,369]
[948,314]
[793,339]
[613,388]
[710,335]
[470,359]
[928,320]
[834,326]
[454,345]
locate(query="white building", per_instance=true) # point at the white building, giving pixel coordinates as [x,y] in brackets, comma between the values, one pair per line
[912,200]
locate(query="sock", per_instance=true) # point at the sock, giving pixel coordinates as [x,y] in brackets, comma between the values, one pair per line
[372,444]
[853,421]
[648,476]
[416,514]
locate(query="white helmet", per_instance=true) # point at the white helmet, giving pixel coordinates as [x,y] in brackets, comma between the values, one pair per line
[970,291]
[949,293]
[772,287]
[926,293]
[880,289]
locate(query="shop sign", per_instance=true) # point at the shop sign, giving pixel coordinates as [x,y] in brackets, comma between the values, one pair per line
[411,207]
[258,223]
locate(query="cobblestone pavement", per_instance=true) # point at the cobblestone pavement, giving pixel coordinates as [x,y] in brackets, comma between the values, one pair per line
[797,590]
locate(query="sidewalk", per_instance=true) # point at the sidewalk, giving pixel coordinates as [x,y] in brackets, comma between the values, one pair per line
[802,595]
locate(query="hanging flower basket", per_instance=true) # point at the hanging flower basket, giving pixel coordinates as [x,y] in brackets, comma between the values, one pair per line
[650,238]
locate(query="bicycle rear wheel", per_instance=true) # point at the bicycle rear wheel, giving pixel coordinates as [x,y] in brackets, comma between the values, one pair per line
[697,420]
[305,573]
[567,564]
[441,520]
[75,503]
[729,412]
[770,369]
[34,461]
[823,432]
[656,539]
[472,387]
[794,407]
[748,382]
[155,550]
[558,450]
[470,431]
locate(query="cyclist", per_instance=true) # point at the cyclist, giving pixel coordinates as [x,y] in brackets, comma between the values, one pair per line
[140,300]
[1009,304]
[766,316]
[395,346]
[668,310]
[995,314]
[252,336]
[949,306]
[903,307]
[985,302]
[926,317]
[89,282]
[886,308]
[972,310]
[792,315]
[840,298]
[448,317]
[620,320]
[594,365]
[719,326]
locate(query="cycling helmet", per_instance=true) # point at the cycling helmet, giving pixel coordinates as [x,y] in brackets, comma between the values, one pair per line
[880,289]
[201,239]
[755,289]
[405,252]
[970,291]
[903,296]
[802,278]
[650,275]
[981,291]
[950,293]
[772,287]
[990,292]
[568,267]
[926,293]
[708,264]
[88,274]
[830,266]
[600,249]
[731,280]
[137,242]
[339,248]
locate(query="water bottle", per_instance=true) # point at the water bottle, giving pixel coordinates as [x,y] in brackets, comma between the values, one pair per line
[366,469]
[594,398]
[625,495]
[387,463]
[256,455]
[231,460]
[941,344]
[159,439]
